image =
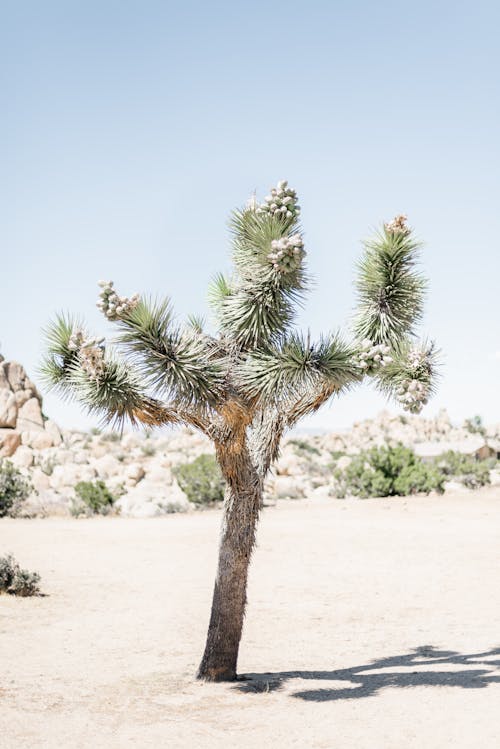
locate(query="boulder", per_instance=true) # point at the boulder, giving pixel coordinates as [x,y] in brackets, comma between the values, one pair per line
[53,431]
[79,456]
[38,440]
[16,375]
[4,383]
[176,458]
[99,449]
[141,510]
[62,456]
[321,492]
[455,486]
[134,473]
[287,487]
[8,409]
[40,480]
[23,396]
[289,464]
[343,462]
[9,442]
[495,477]
[18,379]
[23,457]
[107,466]
[148,499]
[29,417]
[47,502]
[70,474]
[130,441]
[157,473]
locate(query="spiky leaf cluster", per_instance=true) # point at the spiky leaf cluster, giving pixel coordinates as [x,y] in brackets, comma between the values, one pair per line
[297,366]
[116,392]
[390,288]
[259,303]
[180,364]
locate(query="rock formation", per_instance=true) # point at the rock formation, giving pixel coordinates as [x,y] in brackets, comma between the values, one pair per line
[22,422]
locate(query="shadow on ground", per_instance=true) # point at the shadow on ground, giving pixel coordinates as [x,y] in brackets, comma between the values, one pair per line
[400,671]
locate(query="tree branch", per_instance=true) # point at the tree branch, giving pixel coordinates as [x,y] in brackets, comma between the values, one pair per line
[80,368]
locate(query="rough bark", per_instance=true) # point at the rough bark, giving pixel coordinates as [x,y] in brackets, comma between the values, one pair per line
[241,511]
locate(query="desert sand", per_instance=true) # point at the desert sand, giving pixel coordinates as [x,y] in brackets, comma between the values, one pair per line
[371,624]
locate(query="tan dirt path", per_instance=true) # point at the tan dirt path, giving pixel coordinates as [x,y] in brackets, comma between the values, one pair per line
[371,625]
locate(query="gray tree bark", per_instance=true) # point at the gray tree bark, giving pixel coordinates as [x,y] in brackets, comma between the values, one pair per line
[241,511]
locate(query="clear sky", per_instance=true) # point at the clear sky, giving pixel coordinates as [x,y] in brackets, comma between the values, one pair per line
[129,129]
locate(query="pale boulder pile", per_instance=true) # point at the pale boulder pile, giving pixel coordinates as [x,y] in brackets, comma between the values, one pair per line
[135,467]
[307,462]
[23,427]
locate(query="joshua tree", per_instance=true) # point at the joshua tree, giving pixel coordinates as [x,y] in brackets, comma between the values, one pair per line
[245,385]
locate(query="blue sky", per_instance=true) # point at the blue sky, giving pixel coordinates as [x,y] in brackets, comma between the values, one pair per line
[130,129]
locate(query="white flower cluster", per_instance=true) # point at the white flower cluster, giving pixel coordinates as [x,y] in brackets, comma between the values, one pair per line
[398,225]
[373,356]
[282,201]
[287,253]
[416,358]
[413,395]
[113,306]
[90,353]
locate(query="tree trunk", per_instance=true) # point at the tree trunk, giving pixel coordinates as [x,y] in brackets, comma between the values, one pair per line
[241,511]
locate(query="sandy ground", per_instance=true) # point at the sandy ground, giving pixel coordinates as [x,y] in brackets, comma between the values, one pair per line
[371,624]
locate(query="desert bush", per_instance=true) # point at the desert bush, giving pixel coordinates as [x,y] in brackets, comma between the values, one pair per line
[14,488]
[387,471]
[475,425]
[111,437]
[336,454]
[469,471]
[302,446]
[201,480]
[92,498]
[16,581]
[148,449]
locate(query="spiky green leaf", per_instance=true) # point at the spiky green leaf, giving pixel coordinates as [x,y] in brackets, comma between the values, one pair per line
[177,363]
[390,288]
[285,373]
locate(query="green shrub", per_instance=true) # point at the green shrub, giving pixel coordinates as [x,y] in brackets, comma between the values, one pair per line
[148,449]
[14,488]
[304,447]
[201,480]
[385,472]
[111,437]
[475,425]
[336,454]
[16,581]
[469,471]
[92,498]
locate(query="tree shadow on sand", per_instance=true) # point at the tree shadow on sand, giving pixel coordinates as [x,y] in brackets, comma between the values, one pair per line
[363,681]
